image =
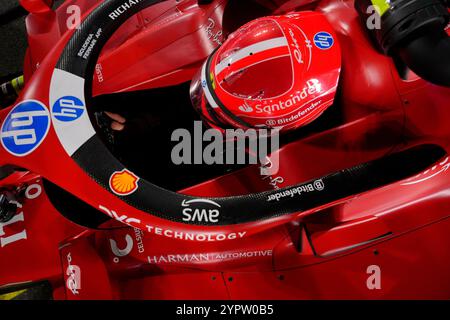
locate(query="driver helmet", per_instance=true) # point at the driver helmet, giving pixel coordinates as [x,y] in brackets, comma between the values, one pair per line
[274,72]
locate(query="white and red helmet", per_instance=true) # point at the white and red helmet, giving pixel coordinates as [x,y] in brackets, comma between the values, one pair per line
[274,72]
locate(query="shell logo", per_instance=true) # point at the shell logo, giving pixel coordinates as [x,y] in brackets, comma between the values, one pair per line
[123,183]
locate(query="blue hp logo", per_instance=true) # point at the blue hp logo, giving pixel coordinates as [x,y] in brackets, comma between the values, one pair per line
[68,109]
[323,40]
[25,128]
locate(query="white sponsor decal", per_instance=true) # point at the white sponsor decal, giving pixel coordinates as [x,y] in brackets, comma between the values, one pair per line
[72,134]
[213,35]
[297,53]
[139,236]
[121,218]
[31,192]
[124,7]
[313,87]
[99,73]
[246,108]
[317,185]
[294,117]
[73,272]
[129,245]
[6,240]
[122,252]
[200,215]
[207,257]
[89,44]
[168,233]
[199,237]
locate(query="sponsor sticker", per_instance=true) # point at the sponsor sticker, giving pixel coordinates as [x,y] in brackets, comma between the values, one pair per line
[89,44]
[123,183]
[207,257]
[323,40]
[121,218]
[119,253]
[198,237]
[201,210]
[25,127]
[317,185]
[246,108]
[126,246]
[295,116]
[297,52]
[171,233]
[11,234]
[313,87]
[7,239]
[33,191]
[212,34]
[124,7]
[68,109]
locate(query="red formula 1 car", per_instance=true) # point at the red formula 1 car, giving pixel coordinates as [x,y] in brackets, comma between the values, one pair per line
[360,205]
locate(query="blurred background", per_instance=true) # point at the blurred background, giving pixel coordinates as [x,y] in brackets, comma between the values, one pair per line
[13,40]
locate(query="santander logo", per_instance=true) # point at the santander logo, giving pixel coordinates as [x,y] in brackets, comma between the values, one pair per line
[246,108]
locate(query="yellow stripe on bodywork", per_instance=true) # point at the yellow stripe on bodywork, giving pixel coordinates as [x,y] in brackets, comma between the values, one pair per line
[12,295]
[17,84]
[381,6]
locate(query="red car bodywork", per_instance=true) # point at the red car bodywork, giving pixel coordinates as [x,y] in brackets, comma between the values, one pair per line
[331,252]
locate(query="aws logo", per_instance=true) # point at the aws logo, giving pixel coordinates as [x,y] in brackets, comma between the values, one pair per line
[201,210]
